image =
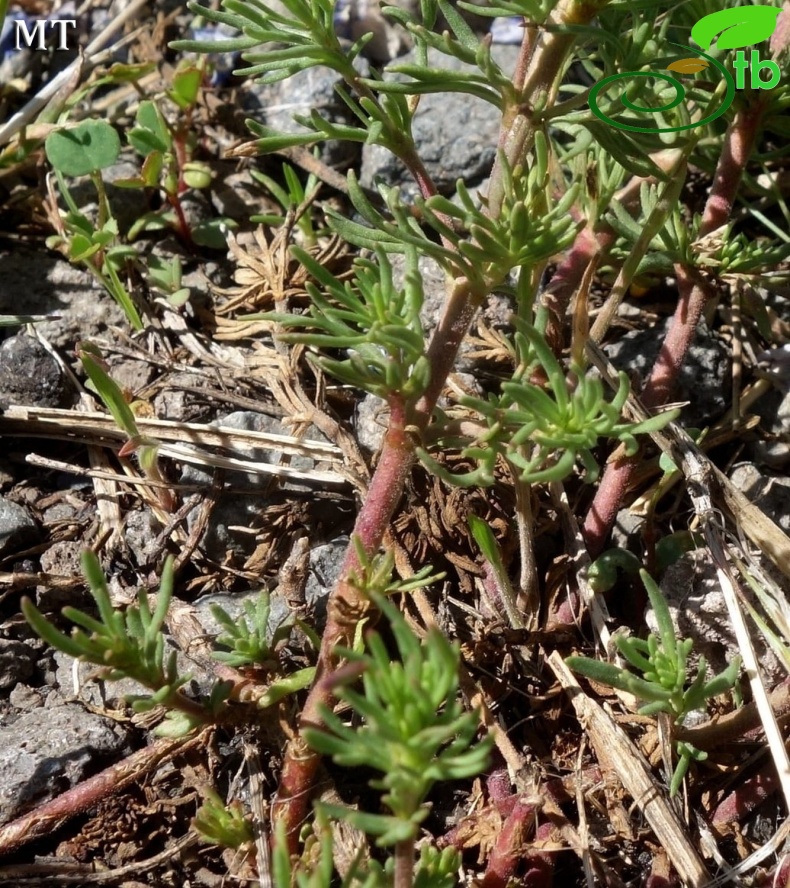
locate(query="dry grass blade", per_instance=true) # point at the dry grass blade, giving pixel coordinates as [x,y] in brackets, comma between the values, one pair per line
[760,529]
[98,428]
[617,753]
[698,476]
[37,875]
[707,485]
[260,817]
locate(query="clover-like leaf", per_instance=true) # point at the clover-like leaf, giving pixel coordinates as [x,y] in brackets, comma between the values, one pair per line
[86,148]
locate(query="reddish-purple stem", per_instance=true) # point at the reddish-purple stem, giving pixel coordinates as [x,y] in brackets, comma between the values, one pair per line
[540,864]
[397,454]
[747,796]
[386,489]
[45,819]
[694,293]
[510,844]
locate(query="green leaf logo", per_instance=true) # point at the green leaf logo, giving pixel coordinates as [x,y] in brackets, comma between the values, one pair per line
[743,26]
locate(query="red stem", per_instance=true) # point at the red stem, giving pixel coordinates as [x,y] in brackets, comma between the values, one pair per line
[183,224]
[384,493]
[747,796]
[510,844]
[540,864]
[45,819]
[738,145]
[397,454]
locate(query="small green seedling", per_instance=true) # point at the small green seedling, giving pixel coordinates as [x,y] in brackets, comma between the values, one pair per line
[130,645]
[543,431]
[221,824]
[376,323]
[86,150]
[163,168]
[165,276]
[412,727]
[168,163]
[249,638]
[252,644]
[112,397]
[664,684]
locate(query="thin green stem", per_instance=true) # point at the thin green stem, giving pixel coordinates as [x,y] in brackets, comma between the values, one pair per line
[104,204]
[546,54]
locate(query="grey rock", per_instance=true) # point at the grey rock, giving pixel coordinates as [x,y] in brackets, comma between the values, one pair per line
[701,379]
[17,527]
[57,513]
[769,493]
[17,662]
[310,90]
[498,311]
[197,211]
[63,558]
[45,284]
[178,405]
[229,527]
[699,611]
[370,422]
[132,375]
[47,751]
[24,698]
[434,287]
[456,134]
[627,531]
[772,448]
[140,532]
[325,564]
[14,64]
[195,280]
[29,374]
[237,196]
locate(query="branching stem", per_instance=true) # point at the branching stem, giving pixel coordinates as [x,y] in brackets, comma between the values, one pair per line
[739,142]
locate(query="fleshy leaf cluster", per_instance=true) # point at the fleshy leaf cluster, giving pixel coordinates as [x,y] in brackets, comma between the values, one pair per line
[665,684]
[414,730]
